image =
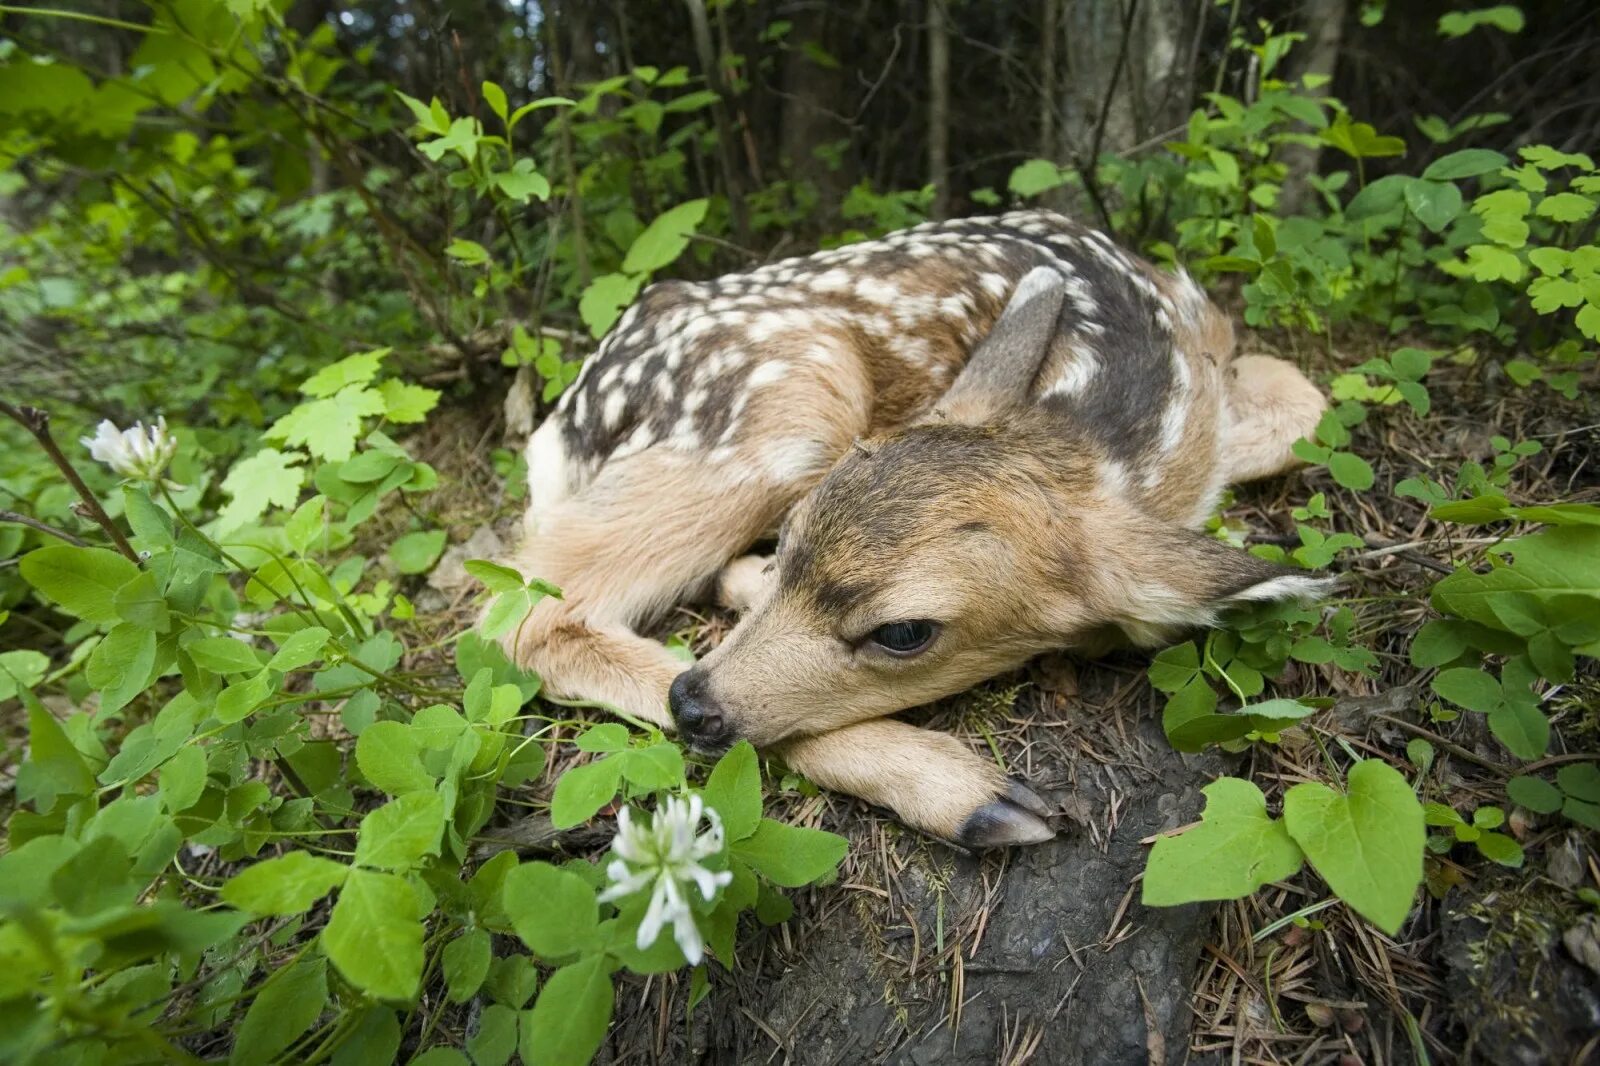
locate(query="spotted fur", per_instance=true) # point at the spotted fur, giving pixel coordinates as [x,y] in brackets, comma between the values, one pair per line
[1008,424]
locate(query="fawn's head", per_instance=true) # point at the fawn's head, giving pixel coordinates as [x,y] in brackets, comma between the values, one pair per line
[940,555]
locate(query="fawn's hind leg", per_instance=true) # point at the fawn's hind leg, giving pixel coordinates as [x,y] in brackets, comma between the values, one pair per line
[930,780]
[648,530]
[744,582]
[1271,404]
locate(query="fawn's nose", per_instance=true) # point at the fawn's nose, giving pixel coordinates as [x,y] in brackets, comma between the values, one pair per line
[700,721]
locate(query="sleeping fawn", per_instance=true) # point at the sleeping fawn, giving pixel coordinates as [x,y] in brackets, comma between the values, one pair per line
[975,441]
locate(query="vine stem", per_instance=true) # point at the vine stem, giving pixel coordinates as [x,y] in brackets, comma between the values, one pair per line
[79,16]
[37,422]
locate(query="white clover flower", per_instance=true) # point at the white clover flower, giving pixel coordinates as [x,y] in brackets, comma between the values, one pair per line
[664,857]
[137,453]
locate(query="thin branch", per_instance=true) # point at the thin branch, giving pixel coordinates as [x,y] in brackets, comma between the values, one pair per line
[42,527]
[37,422]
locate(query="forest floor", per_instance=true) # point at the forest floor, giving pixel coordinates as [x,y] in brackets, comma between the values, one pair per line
[920,953]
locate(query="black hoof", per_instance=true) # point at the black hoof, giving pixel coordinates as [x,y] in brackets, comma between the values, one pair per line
[1016,816]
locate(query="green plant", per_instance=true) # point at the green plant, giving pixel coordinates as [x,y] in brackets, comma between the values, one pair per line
[1480,833]
[207,650]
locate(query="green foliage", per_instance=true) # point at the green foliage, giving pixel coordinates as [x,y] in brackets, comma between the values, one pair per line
[1365,841]
[208,657]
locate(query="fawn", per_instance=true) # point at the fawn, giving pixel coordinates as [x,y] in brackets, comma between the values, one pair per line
[976,441]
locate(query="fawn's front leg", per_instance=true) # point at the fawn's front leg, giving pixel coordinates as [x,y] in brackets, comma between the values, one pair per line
[929,780]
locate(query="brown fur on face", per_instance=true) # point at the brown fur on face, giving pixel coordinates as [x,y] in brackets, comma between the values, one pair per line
[998,533]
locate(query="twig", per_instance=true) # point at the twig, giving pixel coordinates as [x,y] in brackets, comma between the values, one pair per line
[42,527]
[1454,749]
[37,422]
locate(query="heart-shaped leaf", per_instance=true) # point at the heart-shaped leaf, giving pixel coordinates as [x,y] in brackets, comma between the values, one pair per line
[1365,842]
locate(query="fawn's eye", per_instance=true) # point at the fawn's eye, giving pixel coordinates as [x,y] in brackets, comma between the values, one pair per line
[904,638]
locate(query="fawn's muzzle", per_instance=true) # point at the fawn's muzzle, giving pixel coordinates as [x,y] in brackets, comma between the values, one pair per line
[700,719]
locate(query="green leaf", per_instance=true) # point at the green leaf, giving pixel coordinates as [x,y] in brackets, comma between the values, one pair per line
[583,790]
[141,603]
[238,700]
[81,581]
[1467,163]
[374,935]
[1236,848]
[1351,471]
[495,97]
[406,403]
[352,370]
[1534,793]
[1565,207]
[269,478]
[1366,843]
[1175,667]
[415,553]
[605,737]
[1581,781]
[653,768]
[389,756]
[289,1004]
[496,1039]
[288,884]
[466,964]
[1485,262]
[1378,198]
[223,655]
[523,182]
[513,980]
[21,669]
[1559,561]
[1521,728]
[328,428]
[1436,204]
[54,766]
[570,1017]
[1500,848]
[1472,689]
[734,791]
[467,253]
[602,302]
[665,238]
[397,835]
[120,665]
[183,779]
[495,577]
[1036,176]
[552,910]
[300,649]
[1504,213]
[375,1040]
[789,855]
[1504,17]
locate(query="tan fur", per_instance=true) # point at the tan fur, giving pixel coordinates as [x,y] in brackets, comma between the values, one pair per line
[931,780]
[1016,532]
[621,550]
[1271,405]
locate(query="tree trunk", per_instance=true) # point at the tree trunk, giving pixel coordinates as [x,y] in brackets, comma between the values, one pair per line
[727,146]
[1317,55]
[811,111]
[1129,73]
[939,108]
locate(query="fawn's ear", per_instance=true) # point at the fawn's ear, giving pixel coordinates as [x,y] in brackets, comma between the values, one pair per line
[1169,579]
[1001,370]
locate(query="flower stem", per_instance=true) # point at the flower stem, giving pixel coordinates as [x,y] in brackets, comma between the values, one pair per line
[37,422]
